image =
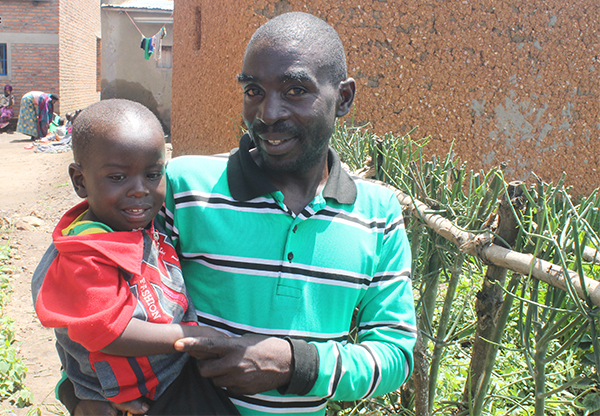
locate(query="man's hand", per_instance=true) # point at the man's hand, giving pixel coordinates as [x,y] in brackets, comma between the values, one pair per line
[246,365]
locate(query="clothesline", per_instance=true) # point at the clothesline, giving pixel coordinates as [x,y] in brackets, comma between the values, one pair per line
[138,29]
[149,44]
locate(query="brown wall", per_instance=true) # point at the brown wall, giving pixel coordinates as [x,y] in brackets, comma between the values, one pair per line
[514,82]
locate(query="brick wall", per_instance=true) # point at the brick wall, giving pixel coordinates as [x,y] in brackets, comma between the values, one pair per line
[29,16]
[513,82]
[34,67]
[79,32]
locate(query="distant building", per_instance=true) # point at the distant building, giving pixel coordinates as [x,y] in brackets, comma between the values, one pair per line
[126,73]
[51,46]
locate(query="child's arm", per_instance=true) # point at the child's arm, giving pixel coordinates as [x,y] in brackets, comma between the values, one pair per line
[141,338]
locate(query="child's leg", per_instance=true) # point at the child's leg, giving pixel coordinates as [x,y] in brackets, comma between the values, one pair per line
[95,407]
[192,394]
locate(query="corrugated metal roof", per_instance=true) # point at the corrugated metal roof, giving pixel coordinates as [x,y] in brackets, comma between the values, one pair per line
[144,4]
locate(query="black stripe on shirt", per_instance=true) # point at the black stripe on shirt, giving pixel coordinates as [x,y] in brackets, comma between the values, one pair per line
[242,331]
[217,200]
[376,372]
[279,268]
[401,326]
[304,404]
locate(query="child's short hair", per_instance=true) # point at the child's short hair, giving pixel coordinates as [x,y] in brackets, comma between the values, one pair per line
[100,118]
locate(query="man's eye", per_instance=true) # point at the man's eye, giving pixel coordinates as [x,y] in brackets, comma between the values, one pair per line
[252,92]
[296,91]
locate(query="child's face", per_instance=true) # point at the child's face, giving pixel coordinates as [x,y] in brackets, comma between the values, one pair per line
[123,178]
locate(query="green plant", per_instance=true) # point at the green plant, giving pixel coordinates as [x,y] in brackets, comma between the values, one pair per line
[543,354]
[12,369]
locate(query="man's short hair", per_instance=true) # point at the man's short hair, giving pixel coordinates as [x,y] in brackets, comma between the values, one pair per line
[99,119]
[301,27]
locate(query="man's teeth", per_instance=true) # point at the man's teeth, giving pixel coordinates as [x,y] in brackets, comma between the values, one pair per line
[274,142]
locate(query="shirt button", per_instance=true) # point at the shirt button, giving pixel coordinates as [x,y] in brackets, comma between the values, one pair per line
[290,256]
[295,228]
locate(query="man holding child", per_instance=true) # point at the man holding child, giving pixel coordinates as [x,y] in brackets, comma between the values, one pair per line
[279,246]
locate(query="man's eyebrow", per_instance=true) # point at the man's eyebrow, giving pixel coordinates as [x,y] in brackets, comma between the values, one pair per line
[299,75]
[244,78]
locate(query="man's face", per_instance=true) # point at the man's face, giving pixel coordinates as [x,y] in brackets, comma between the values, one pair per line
[289,106]
[123,177]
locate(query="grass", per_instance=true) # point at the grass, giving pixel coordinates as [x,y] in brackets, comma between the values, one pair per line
[12,369]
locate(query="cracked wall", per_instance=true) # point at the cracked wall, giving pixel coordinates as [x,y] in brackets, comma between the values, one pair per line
[510,82]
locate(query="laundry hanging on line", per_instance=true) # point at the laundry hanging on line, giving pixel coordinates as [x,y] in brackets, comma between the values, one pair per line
[149,45]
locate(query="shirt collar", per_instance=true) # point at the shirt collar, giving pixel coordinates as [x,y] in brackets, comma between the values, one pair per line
[248,181]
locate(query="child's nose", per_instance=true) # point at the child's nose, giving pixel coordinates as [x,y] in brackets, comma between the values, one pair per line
[138,188]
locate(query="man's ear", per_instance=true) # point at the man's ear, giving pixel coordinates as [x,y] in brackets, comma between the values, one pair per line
[347,89]
[77,179]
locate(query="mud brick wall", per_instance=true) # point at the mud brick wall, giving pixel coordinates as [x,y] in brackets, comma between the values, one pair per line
[80,32]
[500,81]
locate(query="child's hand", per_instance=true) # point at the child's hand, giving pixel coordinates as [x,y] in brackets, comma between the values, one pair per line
[198,332]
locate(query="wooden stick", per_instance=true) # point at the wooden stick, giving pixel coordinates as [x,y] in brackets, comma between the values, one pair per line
[482,247]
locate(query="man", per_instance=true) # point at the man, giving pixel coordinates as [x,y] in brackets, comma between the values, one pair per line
[279,246]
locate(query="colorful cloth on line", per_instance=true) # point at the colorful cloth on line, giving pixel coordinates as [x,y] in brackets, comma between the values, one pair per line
[34,121]
[149,45]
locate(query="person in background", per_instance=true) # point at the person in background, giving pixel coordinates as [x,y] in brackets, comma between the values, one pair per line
[36,113]
[6,102]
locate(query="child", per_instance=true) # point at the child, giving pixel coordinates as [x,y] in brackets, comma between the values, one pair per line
[57,133]
[116,277]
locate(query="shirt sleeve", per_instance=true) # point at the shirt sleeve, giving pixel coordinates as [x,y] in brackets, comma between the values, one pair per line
[382,359]
[85,294]
[165,216]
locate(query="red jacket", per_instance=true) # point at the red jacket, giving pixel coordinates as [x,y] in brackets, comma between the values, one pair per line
[93,288]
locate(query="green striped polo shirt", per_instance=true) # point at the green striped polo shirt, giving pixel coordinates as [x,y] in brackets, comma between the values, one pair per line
[252,266]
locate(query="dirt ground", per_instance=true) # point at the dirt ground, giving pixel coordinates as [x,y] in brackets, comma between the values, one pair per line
[34,191]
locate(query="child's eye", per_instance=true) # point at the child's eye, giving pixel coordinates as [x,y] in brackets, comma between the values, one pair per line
[154,175]
[116,178]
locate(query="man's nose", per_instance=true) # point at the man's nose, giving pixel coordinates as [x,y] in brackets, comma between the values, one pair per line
[271,109]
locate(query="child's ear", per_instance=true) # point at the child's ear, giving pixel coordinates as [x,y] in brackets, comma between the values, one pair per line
[77,179]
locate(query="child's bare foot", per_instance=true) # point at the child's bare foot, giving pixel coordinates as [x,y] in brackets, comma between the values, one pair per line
[136,407]
[101,408]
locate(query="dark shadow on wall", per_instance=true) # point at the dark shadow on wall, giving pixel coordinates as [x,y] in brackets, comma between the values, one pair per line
[134,91]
